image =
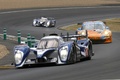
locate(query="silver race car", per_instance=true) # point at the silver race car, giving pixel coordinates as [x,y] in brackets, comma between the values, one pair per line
[44,22]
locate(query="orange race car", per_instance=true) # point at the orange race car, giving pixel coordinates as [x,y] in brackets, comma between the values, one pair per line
[97,31]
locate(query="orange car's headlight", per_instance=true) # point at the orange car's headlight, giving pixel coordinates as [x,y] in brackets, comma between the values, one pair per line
[106,34]
[82,32]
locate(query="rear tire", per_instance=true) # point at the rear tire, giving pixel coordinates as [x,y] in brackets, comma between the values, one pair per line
[89,53]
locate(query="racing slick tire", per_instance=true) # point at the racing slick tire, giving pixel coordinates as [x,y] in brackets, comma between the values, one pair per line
[73,56]
[54,24]
[89,53]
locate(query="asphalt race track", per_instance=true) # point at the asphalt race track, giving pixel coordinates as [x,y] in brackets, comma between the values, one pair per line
[105,65]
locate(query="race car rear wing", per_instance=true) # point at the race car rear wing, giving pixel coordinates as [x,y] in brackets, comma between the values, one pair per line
[77,36]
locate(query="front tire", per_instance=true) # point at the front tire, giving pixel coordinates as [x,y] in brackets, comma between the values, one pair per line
[89,53]
[73,56]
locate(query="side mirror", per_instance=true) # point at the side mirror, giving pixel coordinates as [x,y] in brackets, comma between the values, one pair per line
[79,29]
[79,23]
[107,27]
[104,22]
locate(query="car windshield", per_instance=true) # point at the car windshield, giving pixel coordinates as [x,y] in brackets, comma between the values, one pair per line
[43,19]
[91,26]
[48,43]
[50,18]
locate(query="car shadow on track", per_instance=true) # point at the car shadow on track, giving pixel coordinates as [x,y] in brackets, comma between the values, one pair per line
[37,66]
[51,64]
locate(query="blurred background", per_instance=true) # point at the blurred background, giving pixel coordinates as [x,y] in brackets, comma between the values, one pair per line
[20,4]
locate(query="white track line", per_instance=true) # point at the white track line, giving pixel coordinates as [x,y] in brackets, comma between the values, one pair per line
[17,11]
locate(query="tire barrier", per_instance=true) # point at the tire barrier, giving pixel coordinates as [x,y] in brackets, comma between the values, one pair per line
[33,41]
[19,36]
[61,34]
[4,34]
[43,34]
[67,36]
[30,40]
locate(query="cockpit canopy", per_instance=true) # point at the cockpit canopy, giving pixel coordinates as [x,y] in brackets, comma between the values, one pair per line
[48,43]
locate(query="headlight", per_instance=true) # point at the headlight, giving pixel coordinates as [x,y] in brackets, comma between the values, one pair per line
[82,33]
[34,22]
[18,56]
[64,53]
[106,34]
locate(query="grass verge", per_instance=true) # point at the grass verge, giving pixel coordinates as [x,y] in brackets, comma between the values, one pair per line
[3,51]
[113,24]
[6,67]
[20,4]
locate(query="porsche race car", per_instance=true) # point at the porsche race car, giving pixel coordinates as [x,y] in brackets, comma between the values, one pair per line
[97,31]
[44,22]
[54,49]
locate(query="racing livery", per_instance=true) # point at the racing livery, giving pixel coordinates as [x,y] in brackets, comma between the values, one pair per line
[45,22]
[97,31]
[54,49]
